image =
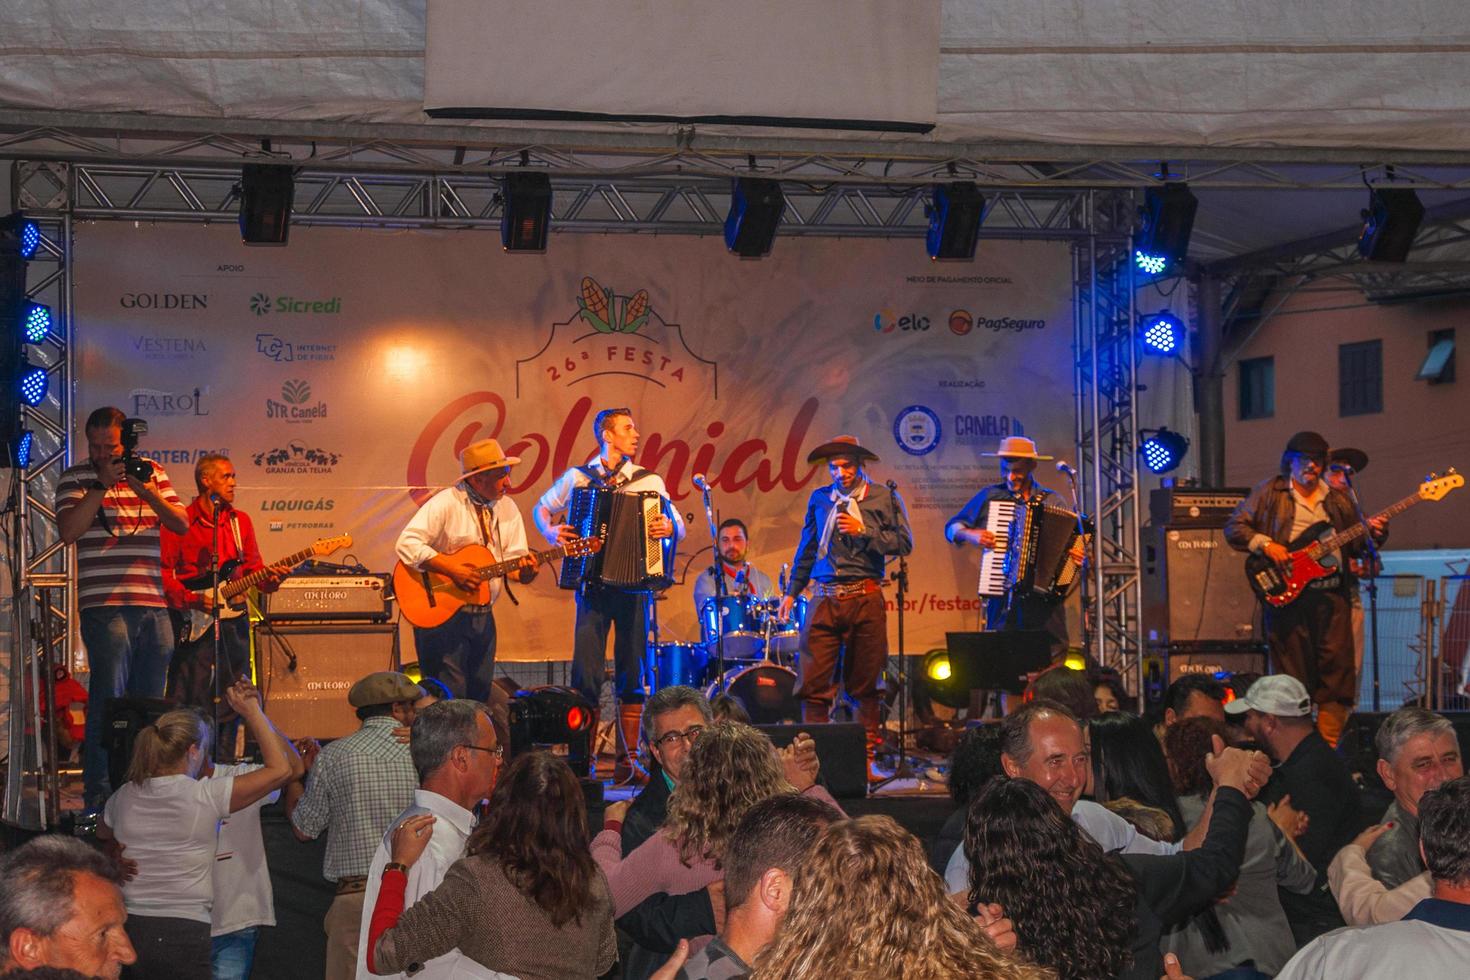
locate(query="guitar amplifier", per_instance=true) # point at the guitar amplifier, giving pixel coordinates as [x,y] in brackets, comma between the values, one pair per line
[1181,507]
[359,598]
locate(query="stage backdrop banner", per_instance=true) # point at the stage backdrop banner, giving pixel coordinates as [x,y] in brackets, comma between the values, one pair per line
[343,375]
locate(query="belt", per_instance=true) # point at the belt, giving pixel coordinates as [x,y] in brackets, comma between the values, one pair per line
[470,607]
[846,590]
[349,884]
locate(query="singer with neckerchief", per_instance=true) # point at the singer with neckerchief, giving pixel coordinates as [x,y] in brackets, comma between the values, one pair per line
[852,527]
[1018,458]
[741,577]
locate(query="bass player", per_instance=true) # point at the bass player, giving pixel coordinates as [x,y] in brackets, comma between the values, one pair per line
[189,556]
[476,510]
[1311,638]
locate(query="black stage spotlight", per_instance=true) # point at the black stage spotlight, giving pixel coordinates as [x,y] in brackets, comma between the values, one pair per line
[1390,223]
[266,190]
[525,215]
[954,220]
[550,716]
[756,206]
[1163,234]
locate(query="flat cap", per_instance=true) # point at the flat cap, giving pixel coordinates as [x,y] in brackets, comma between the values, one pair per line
[383,687]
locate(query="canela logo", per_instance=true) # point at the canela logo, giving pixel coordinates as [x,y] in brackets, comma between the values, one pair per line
[260,304]
[295,392]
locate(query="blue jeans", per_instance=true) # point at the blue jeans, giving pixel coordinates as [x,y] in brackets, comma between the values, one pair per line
[232,955]
[128,650]
[460,652]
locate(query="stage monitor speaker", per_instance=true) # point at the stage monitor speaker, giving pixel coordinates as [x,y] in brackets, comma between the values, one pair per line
[840,749]
[266,192]
[756,206]
[122,720]
[525,212]
[1194,588]
[954,221]
[305,671]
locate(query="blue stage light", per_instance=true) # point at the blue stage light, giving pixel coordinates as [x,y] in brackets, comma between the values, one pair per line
[1163,333]
[1152,264]
[23,448]
[1163,450]
[37,323]
[30,239]
[33,384]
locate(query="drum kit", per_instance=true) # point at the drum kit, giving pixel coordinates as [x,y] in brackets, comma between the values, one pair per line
[760,651]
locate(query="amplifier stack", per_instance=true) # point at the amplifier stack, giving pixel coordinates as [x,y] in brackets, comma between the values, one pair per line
[321,634]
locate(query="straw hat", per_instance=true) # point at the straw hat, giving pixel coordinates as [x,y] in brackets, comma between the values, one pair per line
[484,455]
[1017,447]
[841,446]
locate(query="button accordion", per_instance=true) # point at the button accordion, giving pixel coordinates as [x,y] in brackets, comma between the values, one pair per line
[1039,553]
[631,559]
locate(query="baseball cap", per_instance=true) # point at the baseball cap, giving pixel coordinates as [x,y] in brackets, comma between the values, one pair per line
[1278,694]
[383,687]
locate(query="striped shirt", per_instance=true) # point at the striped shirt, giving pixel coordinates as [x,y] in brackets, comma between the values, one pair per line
[355,789]
[117,556]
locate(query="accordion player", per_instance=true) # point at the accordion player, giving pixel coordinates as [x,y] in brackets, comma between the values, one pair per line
[631,558]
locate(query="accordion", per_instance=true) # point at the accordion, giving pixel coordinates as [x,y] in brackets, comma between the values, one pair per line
[631,560]
[1039,554]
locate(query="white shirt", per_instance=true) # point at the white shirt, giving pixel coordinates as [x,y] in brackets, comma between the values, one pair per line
[170,826]
[452,826]
[556,498]
[449,520]
[242,881]
[1420,949]
[1112,833]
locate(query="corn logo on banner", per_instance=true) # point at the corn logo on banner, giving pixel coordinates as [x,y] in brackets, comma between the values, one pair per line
[344,373]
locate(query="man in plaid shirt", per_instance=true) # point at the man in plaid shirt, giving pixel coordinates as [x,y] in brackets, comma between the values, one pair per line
[354,788]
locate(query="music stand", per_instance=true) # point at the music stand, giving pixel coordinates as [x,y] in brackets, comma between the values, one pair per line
[997,660]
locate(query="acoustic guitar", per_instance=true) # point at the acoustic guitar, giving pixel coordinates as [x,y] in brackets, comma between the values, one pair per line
[428,598]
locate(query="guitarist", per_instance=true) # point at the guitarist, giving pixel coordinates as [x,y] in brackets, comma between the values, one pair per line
[1311,638]
[187,556]
[474,511]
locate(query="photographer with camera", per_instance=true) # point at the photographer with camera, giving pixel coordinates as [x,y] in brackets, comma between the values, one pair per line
[111,507]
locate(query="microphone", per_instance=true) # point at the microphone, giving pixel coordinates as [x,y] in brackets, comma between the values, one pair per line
[740,575]
[782,580]
[1065,467]
[892,486]
[699,481]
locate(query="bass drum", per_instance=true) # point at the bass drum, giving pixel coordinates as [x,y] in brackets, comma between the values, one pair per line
[766,691]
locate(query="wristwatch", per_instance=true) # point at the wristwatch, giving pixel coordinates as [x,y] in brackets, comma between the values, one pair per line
[395,866]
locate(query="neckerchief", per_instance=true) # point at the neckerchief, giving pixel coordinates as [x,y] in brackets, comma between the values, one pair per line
[841,502]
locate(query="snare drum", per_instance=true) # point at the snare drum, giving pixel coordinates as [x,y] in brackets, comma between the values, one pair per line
[733,616]
[681,663]
[767,692]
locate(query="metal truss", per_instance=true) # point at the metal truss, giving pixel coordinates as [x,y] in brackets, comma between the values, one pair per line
[40,564]
[688,152]
[1105,387]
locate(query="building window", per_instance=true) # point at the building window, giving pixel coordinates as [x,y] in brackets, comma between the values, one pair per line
[1360,378]
[1439,363]
[1258,388]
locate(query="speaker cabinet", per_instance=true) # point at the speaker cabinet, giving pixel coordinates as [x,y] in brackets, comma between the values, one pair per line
[756,206]
[840,750]
[266,192]
[1194,588]
[1203,660]
[305,672]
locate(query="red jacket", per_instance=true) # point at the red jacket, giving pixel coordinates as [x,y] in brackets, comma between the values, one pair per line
[187,555]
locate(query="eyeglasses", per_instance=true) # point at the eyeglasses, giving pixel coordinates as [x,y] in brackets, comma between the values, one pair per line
[667,739]
[498,751]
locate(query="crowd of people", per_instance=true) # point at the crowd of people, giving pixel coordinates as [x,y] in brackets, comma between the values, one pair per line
[1085,843]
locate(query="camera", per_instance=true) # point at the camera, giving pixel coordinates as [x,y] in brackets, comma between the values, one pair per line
[134,465]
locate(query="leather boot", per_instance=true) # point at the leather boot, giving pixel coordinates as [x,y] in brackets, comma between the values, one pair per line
[870,715]
[1332,718]
[627,770]
[815,712]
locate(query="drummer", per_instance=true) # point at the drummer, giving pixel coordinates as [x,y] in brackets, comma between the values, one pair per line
[741,577]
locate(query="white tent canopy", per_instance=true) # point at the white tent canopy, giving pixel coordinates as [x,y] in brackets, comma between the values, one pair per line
[1334,73]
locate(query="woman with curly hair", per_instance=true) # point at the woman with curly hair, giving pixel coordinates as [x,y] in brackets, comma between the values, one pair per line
[865,904]
[526,873]
[731,768]
[1080,911]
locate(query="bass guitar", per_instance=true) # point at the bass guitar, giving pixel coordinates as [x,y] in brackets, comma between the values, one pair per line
[191,625]
[428,598]
[1281,585]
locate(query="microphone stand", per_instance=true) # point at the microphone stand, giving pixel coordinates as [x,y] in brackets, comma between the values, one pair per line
[1071,475]
[1372,569]
[901,767]
[720,594]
